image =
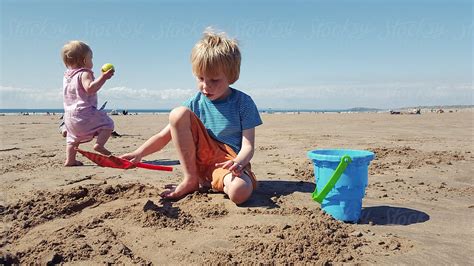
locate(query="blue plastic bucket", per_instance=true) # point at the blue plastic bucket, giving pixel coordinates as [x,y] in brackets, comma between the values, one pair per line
[343,201]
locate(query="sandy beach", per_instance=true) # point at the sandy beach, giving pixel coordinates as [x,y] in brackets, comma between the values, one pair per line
[418,208]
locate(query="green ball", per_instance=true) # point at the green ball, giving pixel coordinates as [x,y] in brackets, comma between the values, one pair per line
[107,67]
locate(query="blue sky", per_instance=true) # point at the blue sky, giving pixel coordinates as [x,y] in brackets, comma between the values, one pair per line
[296,54]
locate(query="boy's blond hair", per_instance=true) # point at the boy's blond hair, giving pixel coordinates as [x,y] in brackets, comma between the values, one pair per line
[74,53]
[214,52]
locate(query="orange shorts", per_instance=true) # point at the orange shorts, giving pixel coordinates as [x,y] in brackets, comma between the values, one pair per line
[209,152]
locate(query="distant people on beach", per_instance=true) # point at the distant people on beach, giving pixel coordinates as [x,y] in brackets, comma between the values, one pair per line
[82,120]
[214,131]
[395,112]
[416,111]
[438,111]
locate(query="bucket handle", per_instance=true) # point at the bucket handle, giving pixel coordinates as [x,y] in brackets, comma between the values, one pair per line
[319,197]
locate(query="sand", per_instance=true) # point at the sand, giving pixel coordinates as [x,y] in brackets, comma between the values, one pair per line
[418,208]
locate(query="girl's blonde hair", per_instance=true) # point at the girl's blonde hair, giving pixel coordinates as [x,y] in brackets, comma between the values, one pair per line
[74,53]
[215,52]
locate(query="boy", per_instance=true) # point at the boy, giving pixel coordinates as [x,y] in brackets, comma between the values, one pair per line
[214,132]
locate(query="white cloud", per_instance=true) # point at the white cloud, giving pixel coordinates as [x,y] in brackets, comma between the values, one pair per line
[375,95]
[141,94]
[322,96]
[117,97]
[30,98]
[123,97]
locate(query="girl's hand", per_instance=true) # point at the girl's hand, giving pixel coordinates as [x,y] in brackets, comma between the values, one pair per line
[108,74]
[233,166]
[132,157]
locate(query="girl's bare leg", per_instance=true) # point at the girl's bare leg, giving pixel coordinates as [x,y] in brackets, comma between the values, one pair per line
[102,138]
[71,155]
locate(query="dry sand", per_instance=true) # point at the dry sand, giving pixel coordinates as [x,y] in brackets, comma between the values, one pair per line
[419,205]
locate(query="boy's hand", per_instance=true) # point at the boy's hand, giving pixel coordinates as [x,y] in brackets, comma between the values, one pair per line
[108,74]
[233,166]
[132,157]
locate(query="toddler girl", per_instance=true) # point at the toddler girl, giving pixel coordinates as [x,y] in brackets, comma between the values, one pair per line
[82,119]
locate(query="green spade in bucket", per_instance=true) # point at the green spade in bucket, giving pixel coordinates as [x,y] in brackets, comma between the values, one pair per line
[341,178]
[319,197]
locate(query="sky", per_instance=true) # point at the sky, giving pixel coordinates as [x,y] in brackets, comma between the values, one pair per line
[295,54]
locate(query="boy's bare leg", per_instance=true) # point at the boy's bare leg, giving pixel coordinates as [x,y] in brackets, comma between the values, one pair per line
[102,138]
[71,155]
[239,189]
[181,135]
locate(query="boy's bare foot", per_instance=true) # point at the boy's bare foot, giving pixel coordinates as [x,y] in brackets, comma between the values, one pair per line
[101,149]
[75,163]
[177,192]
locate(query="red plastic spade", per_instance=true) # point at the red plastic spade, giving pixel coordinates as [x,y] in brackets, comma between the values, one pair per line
[116,162]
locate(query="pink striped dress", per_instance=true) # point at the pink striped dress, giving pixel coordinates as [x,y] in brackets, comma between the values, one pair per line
[82,119]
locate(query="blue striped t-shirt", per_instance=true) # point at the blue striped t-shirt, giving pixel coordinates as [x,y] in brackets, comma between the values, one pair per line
[226,119]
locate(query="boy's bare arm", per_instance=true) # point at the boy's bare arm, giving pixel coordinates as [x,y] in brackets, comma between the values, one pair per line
[245,155]
[248,146]
[152,145]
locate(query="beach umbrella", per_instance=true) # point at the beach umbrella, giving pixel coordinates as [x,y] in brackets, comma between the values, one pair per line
[116,162]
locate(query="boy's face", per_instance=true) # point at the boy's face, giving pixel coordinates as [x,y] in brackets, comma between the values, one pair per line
[214,87]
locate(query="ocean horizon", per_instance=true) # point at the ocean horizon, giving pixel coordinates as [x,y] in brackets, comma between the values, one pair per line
[42,111]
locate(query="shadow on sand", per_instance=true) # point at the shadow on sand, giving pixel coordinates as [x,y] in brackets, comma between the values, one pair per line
[388,215]
[378,215]
[270,188]
[166,162]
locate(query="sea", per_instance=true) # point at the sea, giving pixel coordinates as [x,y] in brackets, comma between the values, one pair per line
[166,111]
